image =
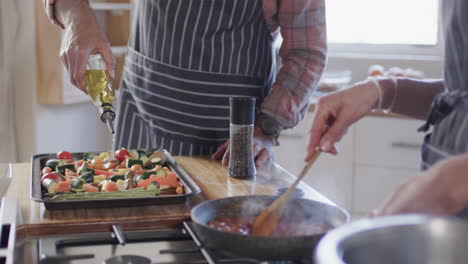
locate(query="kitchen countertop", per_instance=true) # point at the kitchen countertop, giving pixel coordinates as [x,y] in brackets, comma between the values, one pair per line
[210,175]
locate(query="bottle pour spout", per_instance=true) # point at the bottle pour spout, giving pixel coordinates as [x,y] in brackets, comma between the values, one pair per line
[108,116]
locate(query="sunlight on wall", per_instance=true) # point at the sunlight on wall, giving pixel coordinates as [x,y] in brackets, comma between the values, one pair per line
[411,22]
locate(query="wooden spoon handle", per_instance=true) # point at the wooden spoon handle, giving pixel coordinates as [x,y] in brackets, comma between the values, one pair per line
[302,174]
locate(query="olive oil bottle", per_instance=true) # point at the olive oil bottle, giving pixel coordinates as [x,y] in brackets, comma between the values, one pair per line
[99,88]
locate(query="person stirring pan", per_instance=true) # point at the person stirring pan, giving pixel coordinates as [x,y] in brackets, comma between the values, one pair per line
[186,58]
[442,186]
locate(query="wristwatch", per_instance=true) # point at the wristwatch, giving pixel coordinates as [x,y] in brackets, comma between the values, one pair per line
[270,126]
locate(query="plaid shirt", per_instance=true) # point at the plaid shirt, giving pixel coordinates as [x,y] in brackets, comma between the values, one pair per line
[303,55]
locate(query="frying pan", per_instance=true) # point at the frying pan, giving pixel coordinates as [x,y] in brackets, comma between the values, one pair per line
[264,247]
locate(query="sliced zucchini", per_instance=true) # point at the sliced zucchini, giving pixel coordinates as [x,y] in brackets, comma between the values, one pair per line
[49,185]
[156,161]
[53,163]
[62,168]
[145,161]
[153,186]
[161,173]
[131,162]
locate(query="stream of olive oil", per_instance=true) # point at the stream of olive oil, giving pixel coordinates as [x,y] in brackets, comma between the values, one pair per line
[98,86]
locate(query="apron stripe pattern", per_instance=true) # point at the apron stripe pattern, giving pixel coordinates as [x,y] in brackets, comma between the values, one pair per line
[186,58]
[450,132]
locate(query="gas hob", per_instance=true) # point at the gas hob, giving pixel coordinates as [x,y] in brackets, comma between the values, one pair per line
[168,246]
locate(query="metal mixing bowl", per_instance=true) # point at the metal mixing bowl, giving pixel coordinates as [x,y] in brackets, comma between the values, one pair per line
[405,239]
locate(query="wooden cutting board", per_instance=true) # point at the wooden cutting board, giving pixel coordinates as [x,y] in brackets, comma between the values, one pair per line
[210,175]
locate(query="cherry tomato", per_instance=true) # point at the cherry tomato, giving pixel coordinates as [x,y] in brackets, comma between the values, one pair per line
[122,154]
[64,155]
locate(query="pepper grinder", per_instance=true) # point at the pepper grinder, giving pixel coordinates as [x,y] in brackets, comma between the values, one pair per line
[242,117]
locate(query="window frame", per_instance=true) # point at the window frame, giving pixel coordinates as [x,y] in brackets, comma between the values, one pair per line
[424,52]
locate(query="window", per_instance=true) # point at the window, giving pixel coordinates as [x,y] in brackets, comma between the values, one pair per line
[397,26]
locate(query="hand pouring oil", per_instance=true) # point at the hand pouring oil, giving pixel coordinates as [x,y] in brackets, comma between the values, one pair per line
[99,88]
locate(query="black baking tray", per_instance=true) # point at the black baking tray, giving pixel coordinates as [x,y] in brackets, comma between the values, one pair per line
[38,161]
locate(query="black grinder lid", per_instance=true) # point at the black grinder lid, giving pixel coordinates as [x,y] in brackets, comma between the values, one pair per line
[242,110]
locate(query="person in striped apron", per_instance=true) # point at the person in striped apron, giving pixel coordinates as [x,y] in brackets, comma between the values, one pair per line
[186,58]
[442,187]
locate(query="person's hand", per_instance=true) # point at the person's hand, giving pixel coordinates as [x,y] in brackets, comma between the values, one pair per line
[81,38]
[442,190]
[262,148]
[338,111]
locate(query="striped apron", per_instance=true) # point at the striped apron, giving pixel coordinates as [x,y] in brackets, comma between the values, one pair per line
[449,111]
[185,59]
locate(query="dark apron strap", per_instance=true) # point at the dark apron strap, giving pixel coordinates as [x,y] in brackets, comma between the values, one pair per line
[442,105]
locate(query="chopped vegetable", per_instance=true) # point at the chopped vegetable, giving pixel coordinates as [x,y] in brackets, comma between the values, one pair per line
[89,156]
[87,177]
[63,186]
[62,168]
[46,170]
[49,185]
[156,161]
[132,193]
[64,155]
[78,183]
[153,186]
[100,176]
[147,174]
[122,154]
[115,178]
[110,186]
[51,176]
[134,154]
[131,162]
[84,168]
[53,163]
[97,164]
[103,172]
[180,190]
[89,188]
[161,173]
[136,168]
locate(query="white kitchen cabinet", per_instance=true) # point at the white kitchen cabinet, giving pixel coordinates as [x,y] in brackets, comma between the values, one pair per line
[376,155]
[372,185]
[388,142]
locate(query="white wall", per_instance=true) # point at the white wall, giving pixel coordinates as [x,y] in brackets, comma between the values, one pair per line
[43,128]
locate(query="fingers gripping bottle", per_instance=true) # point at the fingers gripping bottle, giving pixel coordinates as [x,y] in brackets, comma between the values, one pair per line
[241,159]
[99,88]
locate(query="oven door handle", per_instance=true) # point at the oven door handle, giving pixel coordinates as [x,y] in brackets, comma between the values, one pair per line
[61,258]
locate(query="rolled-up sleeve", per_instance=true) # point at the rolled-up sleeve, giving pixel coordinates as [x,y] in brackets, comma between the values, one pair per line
[303,55]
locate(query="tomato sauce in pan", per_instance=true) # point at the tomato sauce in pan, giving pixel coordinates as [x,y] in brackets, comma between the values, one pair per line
[243,225]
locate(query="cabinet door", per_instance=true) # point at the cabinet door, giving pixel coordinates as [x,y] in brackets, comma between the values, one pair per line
[372,185]
[330,175]
[388,142]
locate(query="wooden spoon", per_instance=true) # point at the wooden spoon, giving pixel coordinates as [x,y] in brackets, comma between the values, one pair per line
[267,221]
